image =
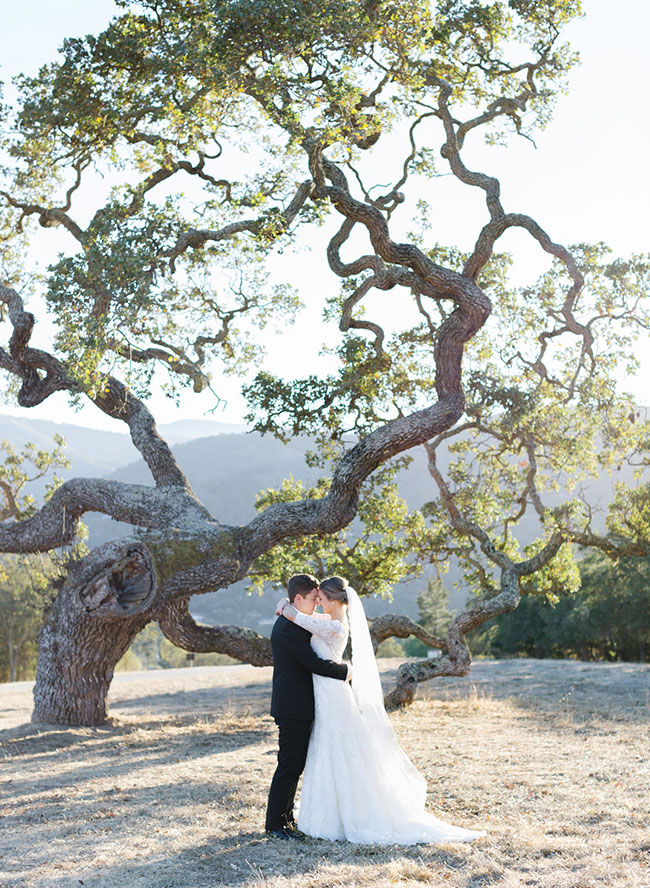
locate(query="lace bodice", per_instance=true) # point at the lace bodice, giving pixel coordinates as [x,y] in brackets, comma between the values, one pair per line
[329,637]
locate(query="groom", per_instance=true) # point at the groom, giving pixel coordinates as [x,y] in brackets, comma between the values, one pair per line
[292,703]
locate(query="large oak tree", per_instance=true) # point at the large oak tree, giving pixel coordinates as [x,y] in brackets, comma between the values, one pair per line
[180,149]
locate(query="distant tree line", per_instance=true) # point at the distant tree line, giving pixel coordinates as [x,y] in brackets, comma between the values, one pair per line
[607,618]
[22,601]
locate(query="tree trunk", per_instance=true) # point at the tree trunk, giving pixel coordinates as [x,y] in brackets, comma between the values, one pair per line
[77,655]
[88,629]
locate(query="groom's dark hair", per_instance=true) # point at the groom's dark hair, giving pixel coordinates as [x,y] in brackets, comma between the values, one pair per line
[301,584]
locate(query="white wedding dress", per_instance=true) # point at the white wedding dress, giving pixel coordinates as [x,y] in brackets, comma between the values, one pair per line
[358,783]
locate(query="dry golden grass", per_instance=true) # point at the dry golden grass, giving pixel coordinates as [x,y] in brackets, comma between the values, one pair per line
[552,758]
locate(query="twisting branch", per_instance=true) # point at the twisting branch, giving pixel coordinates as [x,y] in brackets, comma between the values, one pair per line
[500,222]
[531,490]
[166,172]
[172,357]
[495,109]
[448,284]
[57,522]
[457,657]
[178,625]
[470,313]
[195,238]
[400,626]
[116,400]
[450,151]
[459,522]
[50,217]
[113,397]
[27,363]
[614,546]
[394,196]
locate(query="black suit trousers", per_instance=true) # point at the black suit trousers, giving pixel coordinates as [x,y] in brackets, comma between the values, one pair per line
[292,754]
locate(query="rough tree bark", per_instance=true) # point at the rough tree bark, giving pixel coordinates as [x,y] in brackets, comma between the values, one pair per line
[88,629]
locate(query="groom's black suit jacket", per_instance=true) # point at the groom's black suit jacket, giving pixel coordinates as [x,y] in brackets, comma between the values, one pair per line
[294,661]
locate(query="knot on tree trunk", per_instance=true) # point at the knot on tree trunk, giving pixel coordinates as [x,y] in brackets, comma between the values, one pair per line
[127,586]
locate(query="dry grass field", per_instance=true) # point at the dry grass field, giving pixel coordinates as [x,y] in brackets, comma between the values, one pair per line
[551,757]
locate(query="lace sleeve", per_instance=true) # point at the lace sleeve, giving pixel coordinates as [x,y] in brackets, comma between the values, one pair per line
[327,629]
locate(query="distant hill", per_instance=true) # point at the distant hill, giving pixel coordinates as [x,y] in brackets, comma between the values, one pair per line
[226,471]
[116,447]
[90,451]
[190,429]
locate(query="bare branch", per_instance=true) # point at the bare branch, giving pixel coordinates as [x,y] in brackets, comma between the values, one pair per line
[181,629]
[457,660]
[27,363]
[57,522]
[11,508]
[460,523]
[614,546]
[400,626]
[49,217]
[450,152]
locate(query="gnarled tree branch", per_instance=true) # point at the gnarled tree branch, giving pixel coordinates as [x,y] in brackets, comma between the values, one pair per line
[181,629]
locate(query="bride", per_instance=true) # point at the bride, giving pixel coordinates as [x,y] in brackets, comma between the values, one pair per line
[358,784]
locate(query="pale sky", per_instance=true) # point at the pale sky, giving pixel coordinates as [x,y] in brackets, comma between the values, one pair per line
[587,180]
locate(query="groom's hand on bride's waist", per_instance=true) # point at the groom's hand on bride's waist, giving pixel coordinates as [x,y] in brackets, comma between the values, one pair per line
[348,677]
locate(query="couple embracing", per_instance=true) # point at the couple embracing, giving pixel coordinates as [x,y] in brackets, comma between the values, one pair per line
[358,784]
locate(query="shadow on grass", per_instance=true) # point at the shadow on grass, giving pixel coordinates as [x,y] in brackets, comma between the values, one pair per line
[250,858]
[124,748]
[53,804]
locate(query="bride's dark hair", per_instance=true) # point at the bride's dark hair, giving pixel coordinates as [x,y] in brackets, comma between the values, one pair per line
[335,588]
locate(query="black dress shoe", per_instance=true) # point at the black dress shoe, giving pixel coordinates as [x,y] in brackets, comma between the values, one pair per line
[286,832]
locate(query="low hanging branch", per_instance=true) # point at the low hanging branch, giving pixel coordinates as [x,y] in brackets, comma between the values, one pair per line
[181,629]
